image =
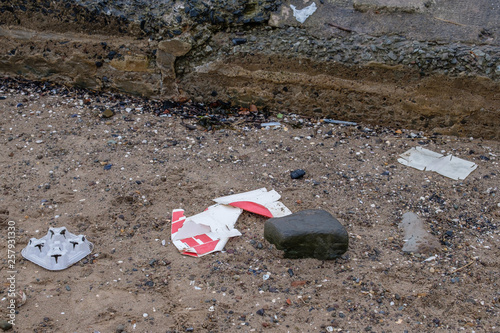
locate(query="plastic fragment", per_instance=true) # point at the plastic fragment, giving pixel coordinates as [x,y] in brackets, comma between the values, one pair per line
[210,230]
[302,14]
[427,160]
[340,122]
[57,250]
[259,201]
[271,124]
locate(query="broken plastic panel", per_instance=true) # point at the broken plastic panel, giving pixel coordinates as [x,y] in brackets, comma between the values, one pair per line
[427,160]
[205,232]
[57,250]
[259,201]
[209,231]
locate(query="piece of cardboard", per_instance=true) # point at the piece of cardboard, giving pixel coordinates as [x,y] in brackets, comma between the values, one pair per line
[427,160]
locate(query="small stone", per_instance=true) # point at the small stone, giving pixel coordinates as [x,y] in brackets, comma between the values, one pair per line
[175,47]
[108,113]
[5,325]
[312,233]
[296,174]
[120,328]
[392,55]
[68,288]
[260,312]
[418,240]
[239,41]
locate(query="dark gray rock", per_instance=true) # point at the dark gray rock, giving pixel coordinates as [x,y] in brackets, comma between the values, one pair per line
[312,233]
[5,325]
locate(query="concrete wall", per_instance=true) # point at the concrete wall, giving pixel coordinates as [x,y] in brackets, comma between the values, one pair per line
[417,65]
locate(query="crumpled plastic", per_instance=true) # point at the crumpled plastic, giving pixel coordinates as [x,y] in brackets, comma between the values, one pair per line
[302,14]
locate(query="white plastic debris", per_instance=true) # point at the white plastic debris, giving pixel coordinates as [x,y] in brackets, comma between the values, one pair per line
[340,122]
[273,124]
[259,201]
[205,232]
[427,160]
[210,230]
[57,250]
[302,14]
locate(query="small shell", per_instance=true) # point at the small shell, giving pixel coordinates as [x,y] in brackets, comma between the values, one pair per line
[20,298]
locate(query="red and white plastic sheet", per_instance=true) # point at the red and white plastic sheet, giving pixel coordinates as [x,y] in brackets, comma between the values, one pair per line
[210,230]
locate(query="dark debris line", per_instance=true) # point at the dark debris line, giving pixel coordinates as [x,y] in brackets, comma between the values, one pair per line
[213,116]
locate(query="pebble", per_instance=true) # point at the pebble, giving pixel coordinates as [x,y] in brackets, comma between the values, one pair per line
[296,174]
[120,328]
[5,325]
[108,113]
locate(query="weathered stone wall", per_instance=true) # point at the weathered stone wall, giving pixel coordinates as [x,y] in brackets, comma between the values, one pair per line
[406,65]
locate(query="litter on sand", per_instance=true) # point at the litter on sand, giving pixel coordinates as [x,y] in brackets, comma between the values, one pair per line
[273,124]
[259,201]
[57,250]
[205,232]
[210,230]
[302,14]
[340,122]
[427,160]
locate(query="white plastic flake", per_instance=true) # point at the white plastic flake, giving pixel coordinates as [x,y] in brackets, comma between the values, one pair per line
[302,14]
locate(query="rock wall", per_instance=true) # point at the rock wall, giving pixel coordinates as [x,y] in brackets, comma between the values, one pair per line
[375,61]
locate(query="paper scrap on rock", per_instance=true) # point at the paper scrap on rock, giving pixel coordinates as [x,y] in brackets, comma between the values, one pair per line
[302,14]
[57,250]
[210,230]
[259,201]
[427,160]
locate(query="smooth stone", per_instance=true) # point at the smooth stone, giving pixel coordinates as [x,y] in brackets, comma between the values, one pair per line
[108,113]
[418,239]
[5,325]
[312,233]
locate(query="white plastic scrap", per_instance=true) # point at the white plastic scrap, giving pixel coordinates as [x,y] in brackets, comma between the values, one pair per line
[302,14]
[251,200]
[57,250]
[427,160]
[210,230]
